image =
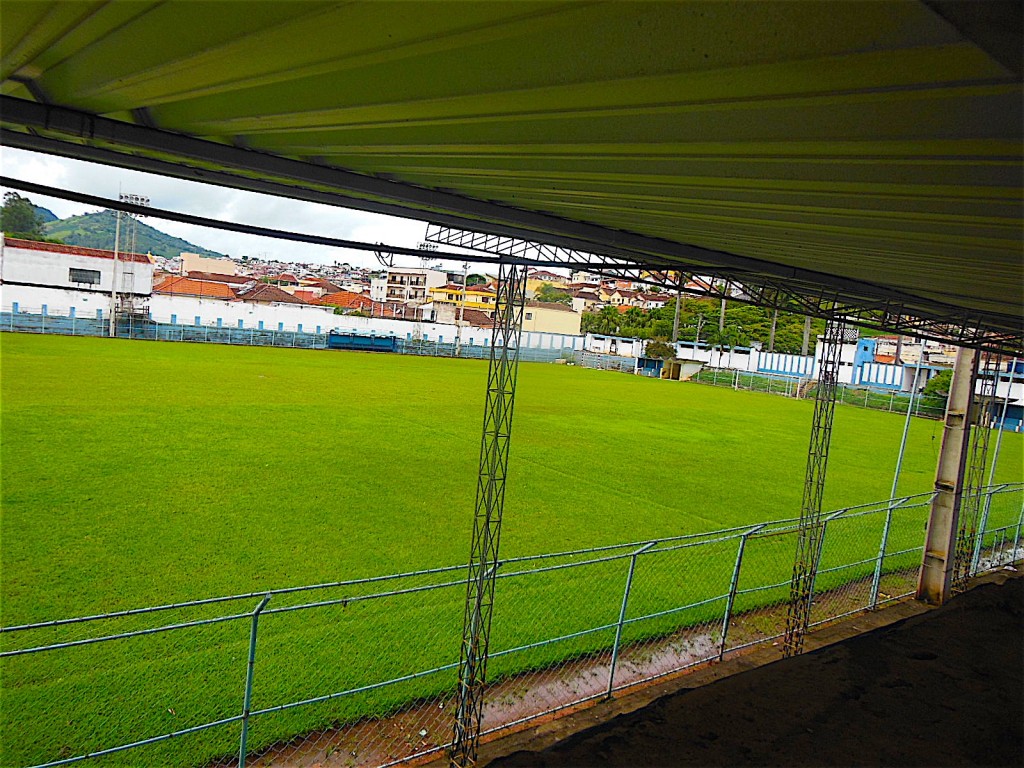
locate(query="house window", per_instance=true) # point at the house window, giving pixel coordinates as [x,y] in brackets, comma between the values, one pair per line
[88,276]
[529,315]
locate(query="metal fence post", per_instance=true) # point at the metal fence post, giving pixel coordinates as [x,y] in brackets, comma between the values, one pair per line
[979,540]
[1020,523]
[622,614]
[248,679]
[821,549]
[876,578]
[992,469]
[733,585]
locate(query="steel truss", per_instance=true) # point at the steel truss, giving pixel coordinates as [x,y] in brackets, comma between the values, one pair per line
[490,502]
[852,303]
[977,459]
[800,292]
[808,551]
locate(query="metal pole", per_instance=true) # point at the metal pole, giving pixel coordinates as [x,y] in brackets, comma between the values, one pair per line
[811,531]
[971,505]
[462,310]
[1016,537]
[622,614]
[877,576]
[936,573]
[817,562]
[113,276]
[992,470]
[490,503]
[675,315]
[733,585]
[247,700]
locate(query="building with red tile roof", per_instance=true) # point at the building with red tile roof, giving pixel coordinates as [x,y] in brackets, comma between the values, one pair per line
[285,278]
[186,286]
[347,300]
[213,277]
[477,319]
[263,293]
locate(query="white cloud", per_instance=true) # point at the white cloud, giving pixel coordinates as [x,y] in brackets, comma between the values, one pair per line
[217,203]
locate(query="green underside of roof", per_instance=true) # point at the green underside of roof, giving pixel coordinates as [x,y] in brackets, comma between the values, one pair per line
[875,141]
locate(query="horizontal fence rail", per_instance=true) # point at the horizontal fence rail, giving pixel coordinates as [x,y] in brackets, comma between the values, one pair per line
[364,670]
[862,396]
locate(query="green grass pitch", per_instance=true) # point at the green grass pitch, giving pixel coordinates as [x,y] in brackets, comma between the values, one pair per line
[139,473]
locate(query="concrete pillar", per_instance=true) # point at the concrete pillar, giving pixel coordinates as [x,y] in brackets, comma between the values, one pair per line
[940,540]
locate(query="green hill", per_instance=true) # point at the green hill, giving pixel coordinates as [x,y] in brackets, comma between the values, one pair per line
[45,214]
[96,230]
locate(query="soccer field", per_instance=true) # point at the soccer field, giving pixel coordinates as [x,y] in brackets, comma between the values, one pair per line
[179,470]
[142,472]
[139,473]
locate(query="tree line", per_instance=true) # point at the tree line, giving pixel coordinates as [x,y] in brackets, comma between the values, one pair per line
[699,320]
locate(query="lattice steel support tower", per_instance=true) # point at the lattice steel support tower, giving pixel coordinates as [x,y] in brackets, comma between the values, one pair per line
[490,502]
[974,480]
[808,552]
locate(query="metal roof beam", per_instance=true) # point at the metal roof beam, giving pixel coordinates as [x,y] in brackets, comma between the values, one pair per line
[50,128]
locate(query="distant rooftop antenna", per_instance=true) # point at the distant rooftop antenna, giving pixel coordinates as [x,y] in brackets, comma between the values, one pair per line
[425,260]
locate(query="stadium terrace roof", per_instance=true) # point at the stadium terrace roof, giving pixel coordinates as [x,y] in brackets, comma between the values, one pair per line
[875,145]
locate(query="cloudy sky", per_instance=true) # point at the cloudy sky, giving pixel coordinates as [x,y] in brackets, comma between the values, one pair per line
[218,203]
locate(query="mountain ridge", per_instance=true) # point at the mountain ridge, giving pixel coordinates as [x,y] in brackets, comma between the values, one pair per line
[96,230]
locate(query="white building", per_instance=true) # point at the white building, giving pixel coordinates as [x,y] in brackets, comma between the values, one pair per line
[177,309]
[68,279]
[409,285]
[193,262]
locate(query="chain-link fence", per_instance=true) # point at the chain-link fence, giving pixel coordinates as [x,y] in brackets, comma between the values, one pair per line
[603,362]
[889,400]
[363,672]
[131,327]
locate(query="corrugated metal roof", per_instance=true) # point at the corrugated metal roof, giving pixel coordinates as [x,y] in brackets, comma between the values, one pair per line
[877,142]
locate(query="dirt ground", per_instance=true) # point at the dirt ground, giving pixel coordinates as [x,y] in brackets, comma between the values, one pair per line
[943,688]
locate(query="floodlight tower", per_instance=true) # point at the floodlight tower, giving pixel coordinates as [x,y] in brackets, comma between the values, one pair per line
[462,310]
[133,199]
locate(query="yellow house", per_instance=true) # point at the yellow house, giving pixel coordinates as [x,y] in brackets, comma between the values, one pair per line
[479,297]
[535,278]
[547,317]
